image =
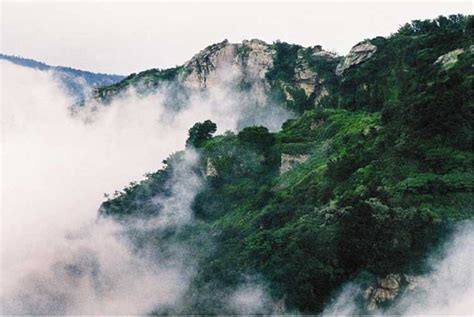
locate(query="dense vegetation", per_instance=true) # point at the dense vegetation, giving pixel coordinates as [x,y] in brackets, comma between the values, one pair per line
[389,171]
[146,81]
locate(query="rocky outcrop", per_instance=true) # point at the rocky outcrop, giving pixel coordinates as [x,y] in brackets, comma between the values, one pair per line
[288,161]
[203,66]
[318,52]
[224,61]
[236,65]
[256,57]
[357,55]
[210,169]
[449,59]
[385,290]
[305,78]
[250,61]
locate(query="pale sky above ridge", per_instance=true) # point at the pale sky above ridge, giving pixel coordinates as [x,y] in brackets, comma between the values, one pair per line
[129,36]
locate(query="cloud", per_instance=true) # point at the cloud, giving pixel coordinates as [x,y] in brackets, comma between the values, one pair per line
[56,165]
[250,298]
[449,288]
[56,258]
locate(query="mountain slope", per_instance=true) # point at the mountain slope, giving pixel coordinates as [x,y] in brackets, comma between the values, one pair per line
[372,173]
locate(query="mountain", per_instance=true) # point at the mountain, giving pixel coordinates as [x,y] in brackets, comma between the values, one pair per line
[76,81]
[300,76]
[371,174]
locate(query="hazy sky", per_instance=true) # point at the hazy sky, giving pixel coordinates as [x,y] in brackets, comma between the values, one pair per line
[128,36]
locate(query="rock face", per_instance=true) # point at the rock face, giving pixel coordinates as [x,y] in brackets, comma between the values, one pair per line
[224,61]
[449,59]
[204,64]
[385,290]
[210,169]
[288,161]
[250,61]
[357,55]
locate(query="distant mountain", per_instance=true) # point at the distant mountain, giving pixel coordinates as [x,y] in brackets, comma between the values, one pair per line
[76,81]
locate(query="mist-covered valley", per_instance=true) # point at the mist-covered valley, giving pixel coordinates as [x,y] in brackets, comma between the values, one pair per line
[58,162]
[321,183]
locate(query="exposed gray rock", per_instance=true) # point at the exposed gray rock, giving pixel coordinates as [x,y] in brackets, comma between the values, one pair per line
[319,52]
[224,62]
[238,65]
[388,288]
[305,78]
[288,161]
[449,59]
[204,64]
[259,57]
[210,169]
[385,290]
[357,55]
[250,60]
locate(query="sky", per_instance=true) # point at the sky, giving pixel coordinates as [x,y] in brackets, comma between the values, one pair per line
[122,37]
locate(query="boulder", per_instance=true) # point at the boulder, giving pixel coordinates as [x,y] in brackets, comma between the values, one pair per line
[288,161]
[210,169]
[385,290]
[449,59]
[357,55]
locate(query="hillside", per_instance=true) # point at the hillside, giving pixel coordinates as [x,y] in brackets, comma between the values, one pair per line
[371,174]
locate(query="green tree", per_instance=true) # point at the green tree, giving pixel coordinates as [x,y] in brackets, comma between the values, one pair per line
[259,136]
[200,132]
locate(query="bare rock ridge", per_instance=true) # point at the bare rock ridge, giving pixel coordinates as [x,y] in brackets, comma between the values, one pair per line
[248,62]
[358,54]
[251,59]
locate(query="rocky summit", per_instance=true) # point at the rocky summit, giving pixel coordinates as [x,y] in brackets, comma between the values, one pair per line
[292,69]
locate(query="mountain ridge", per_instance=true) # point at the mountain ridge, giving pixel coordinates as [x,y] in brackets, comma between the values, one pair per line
[73,79]
[290,72]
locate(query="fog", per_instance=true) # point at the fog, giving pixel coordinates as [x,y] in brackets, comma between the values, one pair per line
[447,288]
[57,256]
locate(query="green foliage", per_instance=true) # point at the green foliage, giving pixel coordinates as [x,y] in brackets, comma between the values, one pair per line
[144,82]
[259,136]
[284,62]
[200,132]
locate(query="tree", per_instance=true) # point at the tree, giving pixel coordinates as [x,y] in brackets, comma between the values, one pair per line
[200,132]
[258,136]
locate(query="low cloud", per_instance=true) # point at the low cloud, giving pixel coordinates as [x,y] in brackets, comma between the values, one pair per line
[57,257]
